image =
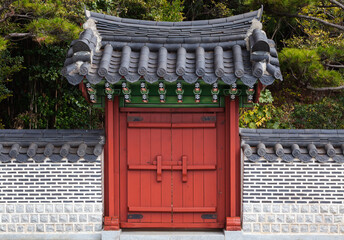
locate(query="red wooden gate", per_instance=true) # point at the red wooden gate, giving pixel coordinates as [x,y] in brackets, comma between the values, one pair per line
[173,170]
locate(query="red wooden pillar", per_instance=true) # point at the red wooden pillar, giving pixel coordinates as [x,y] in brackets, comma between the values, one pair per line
[111,165]
[233,221]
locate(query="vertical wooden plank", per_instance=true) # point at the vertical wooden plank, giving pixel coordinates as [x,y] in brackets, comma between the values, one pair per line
[166,184]
[227,160]
[233,158]
[221,167]
[198,155]
[146,159]
[133,158]
[188,187]
[109,129]
[155,150]
[123,167]
[210,177]
[116,155]
[177,151]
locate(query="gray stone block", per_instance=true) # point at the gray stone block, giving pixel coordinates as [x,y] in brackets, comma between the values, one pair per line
[304,209]
[78,227]
[69,227]
[30,208]
[11,227]
[10,208]
[89,228]
[328,218]
[276,208]
[285,208]
[323,228]
[334,229]
[267,208]
[98,227]
[15,218]
[68,208]
[49,208]
[271,218]
[261,218]
[324,209]
[34,218]
[78,208]
[59,228]
[20,208]
[334,209]
[266,228]
[24,218]
[39,208]
[257,208]
[304,228]
[39,227]
[309,218]
[250,218]
[53,218]
[59,208]
[30,228]
[111,235]
[280,218]
[43,218]
[341,229]
[95,218]
[247,208]
[2,208]
[318,218]
[73,217]
[314,208]
[82,218]
[294,228]
[88,208]
[256,227]
[341,209]
[295,208]
[338,218]
[313,228]
[300,218]
[2,228]
[5,218]
[20,228]
[50,228]
[275,228]
[290,218]
[98,208]
[63,218]
[247,227]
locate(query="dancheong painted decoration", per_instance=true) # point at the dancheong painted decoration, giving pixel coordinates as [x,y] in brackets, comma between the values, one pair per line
[172,92]
[172,62]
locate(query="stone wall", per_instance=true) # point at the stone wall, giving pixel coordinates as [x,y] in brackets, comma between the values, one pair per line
[293,198]
[51,196]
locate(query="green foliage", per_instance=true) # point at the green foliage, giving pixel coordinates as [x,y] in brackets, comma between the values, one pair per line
[327,114]
[305,66]
[263,114]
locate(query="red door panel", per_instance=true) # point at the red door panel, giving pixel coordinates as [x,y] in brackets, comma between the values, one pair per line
[173,178]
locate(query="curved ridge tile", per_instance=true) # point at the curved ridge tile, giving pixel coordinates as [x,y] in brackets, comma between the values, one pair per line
[287,158]
[132,77]
[56,158]
[171,77]
[261,149]
[72,158]
[249,80]
[90,158]
[74,79]
[209,78]
[113,77]
[94,78]
[190,78]
[305,158]
[4,158]
[295,150]
[267,80]
[271,157]
[238,61]
[338,159]
[22,158]
[39,158]
[253,158]
[229,79]
[151,78]
[322,158]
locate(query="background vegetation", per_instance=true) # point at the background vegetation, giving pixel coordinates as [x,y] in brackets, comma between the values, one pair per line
[35,35]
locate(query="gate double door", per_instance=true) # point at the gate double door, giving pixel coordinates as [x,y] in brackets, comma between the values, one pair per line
[175,170]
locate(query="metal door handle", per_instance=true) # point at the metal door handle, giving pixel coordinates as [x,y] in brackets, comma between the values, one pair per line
[184,168]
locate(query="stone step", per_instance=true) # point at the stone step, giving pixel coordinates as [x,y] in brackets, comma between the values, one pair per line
[172,235]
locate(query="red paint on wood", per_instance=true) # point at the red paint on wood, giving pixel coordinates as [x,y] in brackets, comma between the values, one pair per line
[190,180]
[233,224]
[172,110]
[111,223]
[83,90]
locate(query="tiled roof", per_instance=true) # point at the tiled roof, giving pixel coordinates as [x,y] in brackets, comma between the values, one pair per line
[303,145]
[57,145]
[225,49]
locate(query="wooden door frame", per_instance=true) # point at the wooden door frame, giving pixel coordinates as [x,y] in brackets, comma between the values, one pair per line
[112,168]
